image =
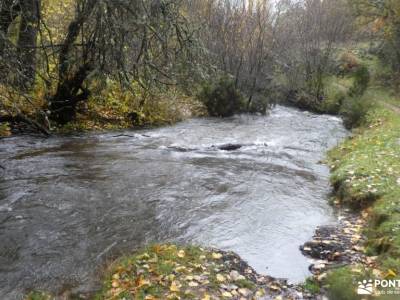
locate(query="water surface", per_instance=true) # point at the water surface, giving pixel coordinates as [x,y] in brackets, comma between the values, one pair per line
[68,204]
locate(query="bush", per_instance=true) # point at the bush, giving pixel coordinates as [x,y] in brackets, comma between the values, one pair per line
[333,101]
[347,63]
[222,99]
[354,111]
[259,104]
[361,81]
[341,285]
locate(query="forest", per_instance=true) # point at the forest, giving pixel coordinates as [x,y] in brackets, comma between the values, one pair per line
[171,149]
[80,64]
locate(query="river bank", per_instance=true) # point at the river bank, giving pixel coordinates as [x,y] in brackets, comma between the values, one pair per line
[366,177]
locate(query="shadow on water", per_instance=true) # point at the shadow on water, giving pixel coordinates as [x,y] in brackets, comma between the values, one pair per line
[69,204]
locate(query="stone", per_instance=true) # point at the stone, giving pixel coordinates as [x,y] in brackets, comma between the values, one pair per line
[244,292]
[235,275]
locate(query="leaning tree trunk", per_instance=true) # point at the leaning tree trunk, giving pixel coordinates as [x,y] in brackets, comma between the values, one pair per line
[30,12]
[70,90]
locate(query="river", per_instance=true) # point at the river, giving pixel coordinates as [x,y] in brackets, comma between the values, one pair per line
[70,204]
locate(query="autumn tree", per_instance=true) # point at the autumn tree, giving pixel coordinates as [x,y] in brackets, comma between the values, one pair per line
[309,33]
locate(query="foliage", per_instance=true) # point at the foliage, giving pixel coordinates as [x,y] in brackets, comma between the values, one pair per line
[259,104]
[382,18]
[336,93]
[311,285]
[4,130]
[354,111]
[347,63]
[341,284]
[361,80]
[222,98]
[115,106]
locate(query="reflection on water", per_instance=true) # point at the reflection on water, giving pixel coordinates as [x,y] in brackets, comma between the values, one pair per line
[68,204]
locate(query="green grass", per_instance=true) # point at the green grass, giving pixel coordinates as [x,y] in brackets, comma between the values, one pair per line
[367,166]
[38,296]
[312,286]
[169,272]
[366,174]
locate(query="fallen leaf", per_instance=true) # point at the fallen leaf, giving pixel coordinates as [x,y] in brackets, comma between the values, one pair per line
[216,255]
[193,284]
[220,278]
[206,297]
[226,295]
[181,253]
[175,287]
[391,273]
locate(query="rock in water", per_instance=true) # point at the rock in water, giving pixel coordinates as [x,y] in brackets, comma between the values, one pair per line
[229,147]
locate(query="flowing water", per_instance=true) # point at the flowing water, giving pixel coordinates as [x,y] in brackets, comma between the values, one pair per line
[69,204]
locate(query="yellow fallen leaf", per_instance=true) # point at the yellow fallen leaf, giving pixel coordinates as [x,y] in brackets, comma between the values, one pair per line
[115,284]
[150,297]
[391,273]
[181,253]
[180,269]
[226,295]
[144,256]
[216,255]
[206,297]
[193,284]
[175,287]
[141,282]
[189,278]
[220,278]
[171,277]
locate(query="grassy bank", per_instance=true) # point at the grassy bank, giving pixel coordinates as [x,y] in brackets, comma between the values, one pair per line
[366,176]
[183,272]
[172,272]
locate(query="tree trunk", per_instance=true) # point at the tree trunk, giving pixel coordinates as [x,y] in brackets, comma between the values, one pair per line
[30,12]
[70,90]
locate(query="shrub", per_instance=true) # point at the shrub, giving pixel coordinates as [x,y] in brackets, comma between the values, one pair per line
[222,99]
[333,101]
[354,111]
[259,104]
[361,81]
[341,285]
[347,63]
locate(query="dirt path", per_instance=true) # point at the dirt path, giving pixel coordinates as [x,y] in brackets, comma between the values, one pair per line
[392,107]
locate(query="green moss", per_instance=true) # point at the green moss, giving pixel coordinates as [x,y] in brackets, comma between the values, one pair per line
[244,283]
[38,296]
[312,286]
